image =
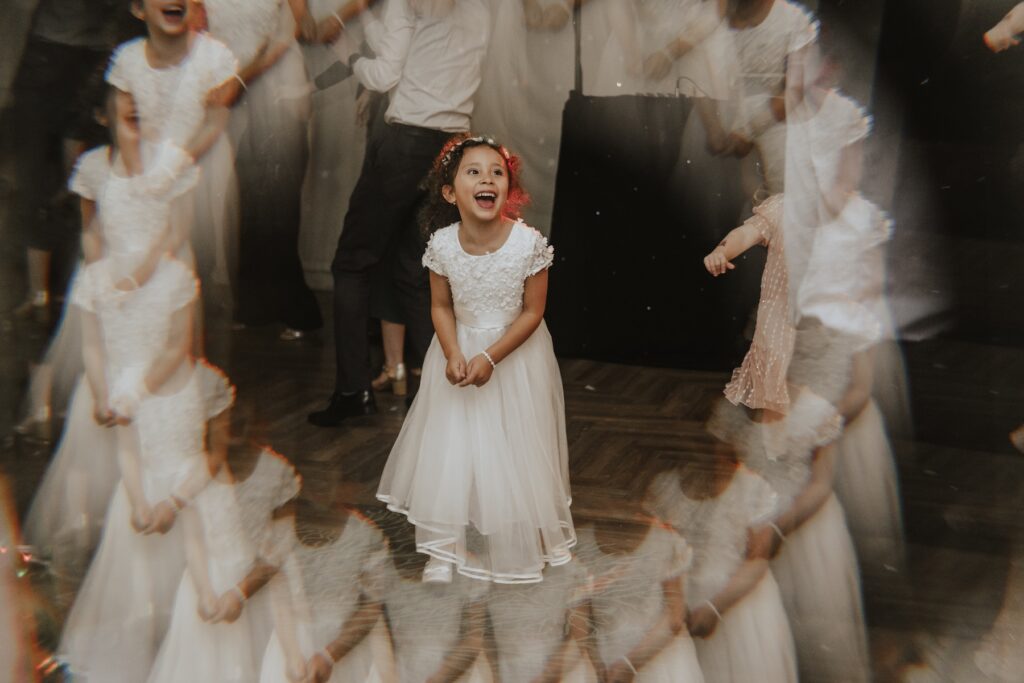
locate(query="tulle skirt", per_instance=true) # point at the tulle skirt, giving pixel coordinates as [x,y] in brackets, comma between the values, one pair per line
[367,662]
[211,214]
[753,642]
[483,472]
[122,611]
[415,668]
[820,585]
[676,663]
[66,517]
[53,381]
[866,485]
[195,650]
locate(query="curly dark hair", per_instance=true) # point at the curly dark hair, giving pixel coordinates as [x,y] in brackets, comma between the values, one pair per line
[436,213]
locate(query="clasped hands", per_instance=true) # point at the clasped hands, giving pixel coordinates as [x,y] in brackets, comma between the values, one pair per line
[225,608]
[156,519]
[477,372]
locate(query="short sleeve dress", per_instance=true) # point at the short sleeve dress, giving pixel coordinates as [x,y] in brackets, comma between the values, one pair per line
[483,471]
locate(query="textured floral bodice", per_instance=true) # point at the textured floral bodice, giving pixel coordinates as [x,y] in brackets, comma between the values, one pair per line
[229,550]
[171,101]
[491,283]
[627,595]
[172,429]
[529,619]
[272,483]
[244,26]
[781,451]
[715,528]
[131,218]
[135,325]
[425,618]
[330,576]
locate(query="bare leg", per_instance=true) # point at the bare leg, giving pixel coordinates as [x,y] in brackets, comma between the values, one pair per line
[38,283]
[394,342]
[393,335]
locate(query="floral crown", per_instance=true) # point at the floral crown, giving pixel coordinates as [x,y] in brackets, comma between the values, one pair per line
[449,154]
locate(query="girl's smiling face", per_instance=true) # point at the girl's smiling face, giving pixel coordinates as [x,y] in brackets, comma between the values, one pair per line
[480,187]
[167,16]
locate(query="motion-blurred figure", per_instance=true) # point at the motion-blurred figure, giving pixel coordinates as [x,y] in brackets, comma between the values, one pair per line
[541,630]
[437,629]
[638,604]
[269,131]
[736,616]
[41,136]
[327,620]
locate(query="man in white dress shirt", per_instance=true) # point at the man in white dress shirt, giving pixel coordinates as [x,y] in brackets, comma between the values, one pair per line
[429,55]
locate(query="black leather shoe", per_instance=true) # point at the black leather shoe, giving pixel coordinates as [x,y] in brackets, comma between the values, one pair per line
[343,407]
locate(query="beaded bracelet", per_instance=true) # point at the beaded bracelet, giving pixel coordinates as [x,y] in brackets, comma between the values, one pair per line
[489,359]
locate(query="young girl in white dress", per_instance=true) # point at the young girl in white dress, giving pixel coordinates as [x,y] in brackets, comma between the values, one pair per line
[480,466]
[638,602]
[736,614]
[220,625]
[138,333]
[326,622]
[816,565]
[835,246]
[182,83]
[540,629]
[437,629]
[177,80]
[841,285]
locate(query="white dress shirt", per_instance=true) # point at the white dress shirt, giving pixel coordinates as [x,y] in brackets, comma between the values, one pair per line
[430,65]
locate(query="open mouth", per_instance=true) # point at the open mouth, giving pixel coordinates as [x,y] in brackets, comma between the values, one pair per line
[174,14]
[486,200]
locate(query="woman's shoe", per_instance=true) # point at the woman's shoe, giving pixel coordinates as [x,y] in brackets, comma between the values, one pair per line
[395,377]
[38,425]
[36,308]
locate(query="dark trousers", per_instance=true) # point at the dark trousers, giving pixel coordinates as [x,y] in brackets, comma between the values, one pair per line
[381,218]
[271,165]
[45,109]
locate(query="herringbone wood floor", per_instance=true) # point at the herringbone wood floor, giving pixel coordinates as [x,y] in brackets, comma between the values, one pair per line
[961,483]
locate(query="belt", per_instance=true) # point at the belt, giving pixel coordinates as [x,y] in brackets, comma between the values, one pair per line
[486,320]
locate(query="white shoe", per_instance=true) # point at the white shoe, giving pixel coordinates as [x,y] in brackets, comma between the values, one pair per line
[437,571]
